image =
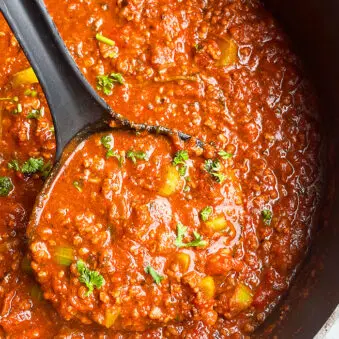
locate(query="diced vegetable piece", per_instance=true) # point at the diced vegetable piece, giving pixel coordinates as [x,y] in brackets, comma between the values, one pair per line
[25,77]
[229,52]
[36,293]
[171,182]
[183,260]
[217,224]
[26,265]
[207,287]
[6,186]
[111,316]
[64,255]
[242,298]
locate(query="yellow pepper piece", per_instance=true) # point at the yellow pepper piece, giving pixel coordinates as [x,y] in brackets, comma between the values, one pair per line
[183,260]
[229,52]
[111,316]
[171,182]
[25,77]
[242,298]
[207,287]
[217,224]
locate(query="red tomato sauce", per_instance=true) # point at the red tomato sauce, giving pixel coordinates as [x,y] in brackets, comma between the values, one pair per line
[222,71]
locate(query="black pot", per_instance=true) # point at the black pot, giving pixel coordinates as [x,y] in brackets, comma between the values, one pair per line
[313,27]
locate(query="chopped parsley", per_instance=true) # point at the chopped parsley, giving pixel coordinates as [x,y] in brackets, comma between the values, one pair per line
[14,165]
[179,161]
[18,109]
[213,167]
[90,278]
[104,40]
[105,83]
[225,155]
[136,155]
[77,185]
[31,93]
[36,113]
[6,186]
[107,141]
[154,274]
[32,165]
[206,212]
[266,216]
[14,99]
[181,232]
[110,153]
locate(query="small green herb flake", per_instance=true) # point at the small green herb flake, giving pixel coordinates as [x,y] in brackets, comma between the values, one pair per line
[14,165]
[18,109]
[6,186]
[180,158]
[105,83]
[225,155]
[206,213]
[36,113]
[92,279]
[213,167]
[31,93]
[46,169]
[266,215]
[196,242]
[32,165]
[114,154]
[104,40]
[14,99]
[77,185]
[154,274]
[179,161]
[136,155]
[107,141]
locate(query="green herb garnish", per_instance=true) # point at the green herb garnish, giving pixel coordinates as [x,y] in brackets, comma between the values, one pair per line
[181,232]
[213,167]
[266,216]
[105,83]
[32,165]
[114,154]
[14,165]
[36,113]
[14,99]
[77,185]
[31,93]
[179,161]
[225,155]
[104,40]
[134,155]
[107,141]
[154,274]
[90,278]
[6,186]
[206,213]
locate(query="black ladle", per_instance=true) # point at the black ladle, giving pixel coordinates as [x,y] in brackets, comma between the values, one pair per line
[74,104]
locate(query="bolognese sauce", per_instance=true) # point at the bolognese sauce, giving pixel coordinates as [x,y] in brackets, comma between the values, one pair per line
[148,237]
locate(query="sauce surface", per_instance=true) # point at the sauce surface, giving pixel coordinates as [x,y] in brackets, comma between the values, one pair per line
[219,70]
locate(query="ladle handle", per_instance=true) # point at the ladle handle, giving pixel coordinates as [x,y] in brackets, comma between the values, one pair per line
[72,101]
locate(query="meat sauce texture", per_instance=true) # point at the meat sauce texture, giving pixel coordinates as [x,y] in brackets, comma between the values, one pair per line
[159,226]
[220,70]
